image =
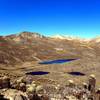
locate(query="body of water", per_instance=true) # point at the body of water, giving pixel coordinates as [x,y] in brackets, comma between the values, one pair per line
[59,61]
[37,73]
[76,73]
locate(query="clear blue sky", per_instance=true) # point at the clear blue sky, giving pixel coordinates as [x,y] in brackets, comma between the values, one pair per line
[49,17]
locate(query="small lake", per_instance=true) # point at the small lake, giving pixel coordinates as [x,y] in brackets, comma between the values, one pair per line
[37,73]
[59,61]
[76,73]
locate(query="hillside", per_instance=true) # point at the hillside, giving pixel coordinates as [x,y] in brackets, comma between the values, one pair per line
[22,47]
[20,53]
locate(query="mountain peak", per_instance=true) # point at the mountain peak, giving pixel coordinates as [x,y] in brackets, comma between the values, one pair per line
[30,34]
[58,37]
[70,38]
[96,40]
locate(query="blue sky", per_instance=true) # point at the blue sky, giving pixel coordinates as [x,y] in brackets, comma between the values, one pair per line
[48,17]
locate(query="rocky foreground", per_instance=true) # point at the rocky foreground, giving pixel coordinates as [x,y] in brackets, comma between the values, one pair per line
[22,89]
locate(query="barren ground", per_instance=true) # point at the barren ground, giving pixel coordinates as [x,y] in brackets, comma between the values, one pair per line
[58,72]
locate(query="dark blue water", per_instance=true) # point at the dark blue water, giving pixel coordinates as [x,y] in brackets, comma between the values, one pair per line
[57,61]
[37,73]
[76,73]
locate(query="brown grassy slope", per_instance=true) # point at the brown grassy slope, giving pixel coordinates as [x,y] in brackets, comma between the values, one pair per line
[23,47]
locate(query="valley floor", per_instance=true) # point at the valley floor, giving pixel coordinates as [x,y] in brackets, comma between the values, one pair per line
[58,73]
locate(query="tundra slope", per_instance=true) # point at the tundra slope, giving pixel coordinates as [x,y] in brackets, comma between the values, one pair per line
[21,52]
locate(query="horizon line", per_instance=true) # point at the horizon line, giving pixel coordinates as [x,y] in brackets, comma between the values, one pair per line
[52,35]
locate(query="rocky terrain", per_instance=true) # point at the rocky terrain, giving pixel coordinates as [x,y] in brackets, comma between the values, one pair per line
[20,53]
[26,89]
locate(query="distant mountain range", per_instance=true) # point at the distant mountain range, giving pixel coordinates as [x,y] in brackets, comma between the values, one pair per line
[28,46]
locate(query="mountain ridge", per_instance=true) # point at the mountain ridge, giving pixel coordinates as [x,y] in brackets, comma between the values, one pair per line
[56,36]
[59,36]
[26,46]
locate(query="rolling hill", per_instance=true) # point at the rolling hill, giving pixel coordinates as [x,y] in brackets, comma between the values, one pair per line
[27,47]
